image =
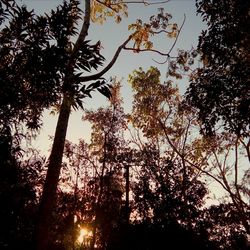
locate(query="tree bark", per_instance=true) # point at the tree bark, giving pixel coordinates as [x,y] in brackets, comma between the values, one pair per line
[52,177]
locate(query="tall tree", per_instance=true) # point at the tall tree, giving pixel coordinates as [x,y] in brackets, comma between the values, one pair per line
[159,113]
[165,126]
[108,144]
[81,56]
[42,66]
[221,89]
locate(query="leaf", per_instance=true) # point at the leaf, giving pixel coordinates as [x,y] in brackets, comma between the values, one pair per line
[118,19]
[94,85]
[105,91]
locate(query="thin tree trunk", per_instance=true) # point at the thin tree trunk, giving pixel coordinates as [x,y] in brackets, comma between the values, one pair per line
[127,212]
[54,166]
[99,199]
[52,178]
[55,161]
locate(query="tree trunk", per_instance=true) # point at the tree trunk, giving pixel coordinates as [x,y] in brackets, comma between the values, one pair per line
[55,161]
[52,178]
[127,209]
[54,166]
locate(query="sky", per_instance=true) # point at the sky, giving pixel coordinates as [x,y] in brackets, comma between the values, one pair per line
[111,36]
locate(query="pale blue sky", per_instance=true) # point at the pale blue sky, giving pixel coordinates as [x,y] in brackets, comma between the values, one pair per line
[111,36]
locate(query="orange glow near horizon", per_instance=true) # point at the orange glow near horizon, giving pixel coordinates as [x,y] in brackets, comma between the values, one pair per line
[84,233]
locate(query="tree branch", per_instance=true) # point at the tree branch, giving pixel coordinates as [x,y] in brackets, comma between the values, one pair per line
[149,50]
[177,36]
[109,5]
[157,51]
[186,160]
[247,147]
[109,66]
[161,31]
[145,2]
[84,30]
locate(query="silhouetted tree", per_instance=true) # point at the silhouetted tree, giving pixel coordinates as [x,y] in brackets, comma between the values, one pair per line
[19,190]
[221,224]
[220,90]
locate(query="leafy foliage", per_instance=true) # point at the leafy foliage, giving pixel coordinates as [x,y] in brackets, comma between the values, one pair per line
[35,53]
[158,191]
[220,91]
[19,188]
[157,24]
[221,224]
[100,10]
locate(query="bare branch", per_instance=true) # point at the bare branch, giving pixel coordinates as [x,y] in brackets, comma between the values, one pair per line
[186,136]
[163,61]
[236,166]
[186,160]
[161,31]
[177,36]
[109,66]
[247,147]
[149,50]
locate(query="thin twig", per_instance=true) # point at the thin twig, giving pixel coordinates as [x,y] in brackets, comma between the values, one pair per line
[109,5]
[177,36]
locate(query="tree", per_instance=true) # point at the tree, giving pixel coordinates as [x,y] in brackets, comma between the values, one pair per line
[220,90]
[19,191]
[35,61]
[107,143]
[171,129]
[30,42]
[164,138]
[163,121]
[80,56]
[222,226]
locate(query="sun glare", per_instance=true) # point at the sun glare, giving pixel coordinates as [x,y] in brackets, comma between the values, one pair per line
[84,233]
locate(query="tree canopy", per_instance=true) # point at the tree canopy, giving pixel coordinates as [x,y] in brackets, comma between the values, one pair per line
[144,179]
[220,90]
